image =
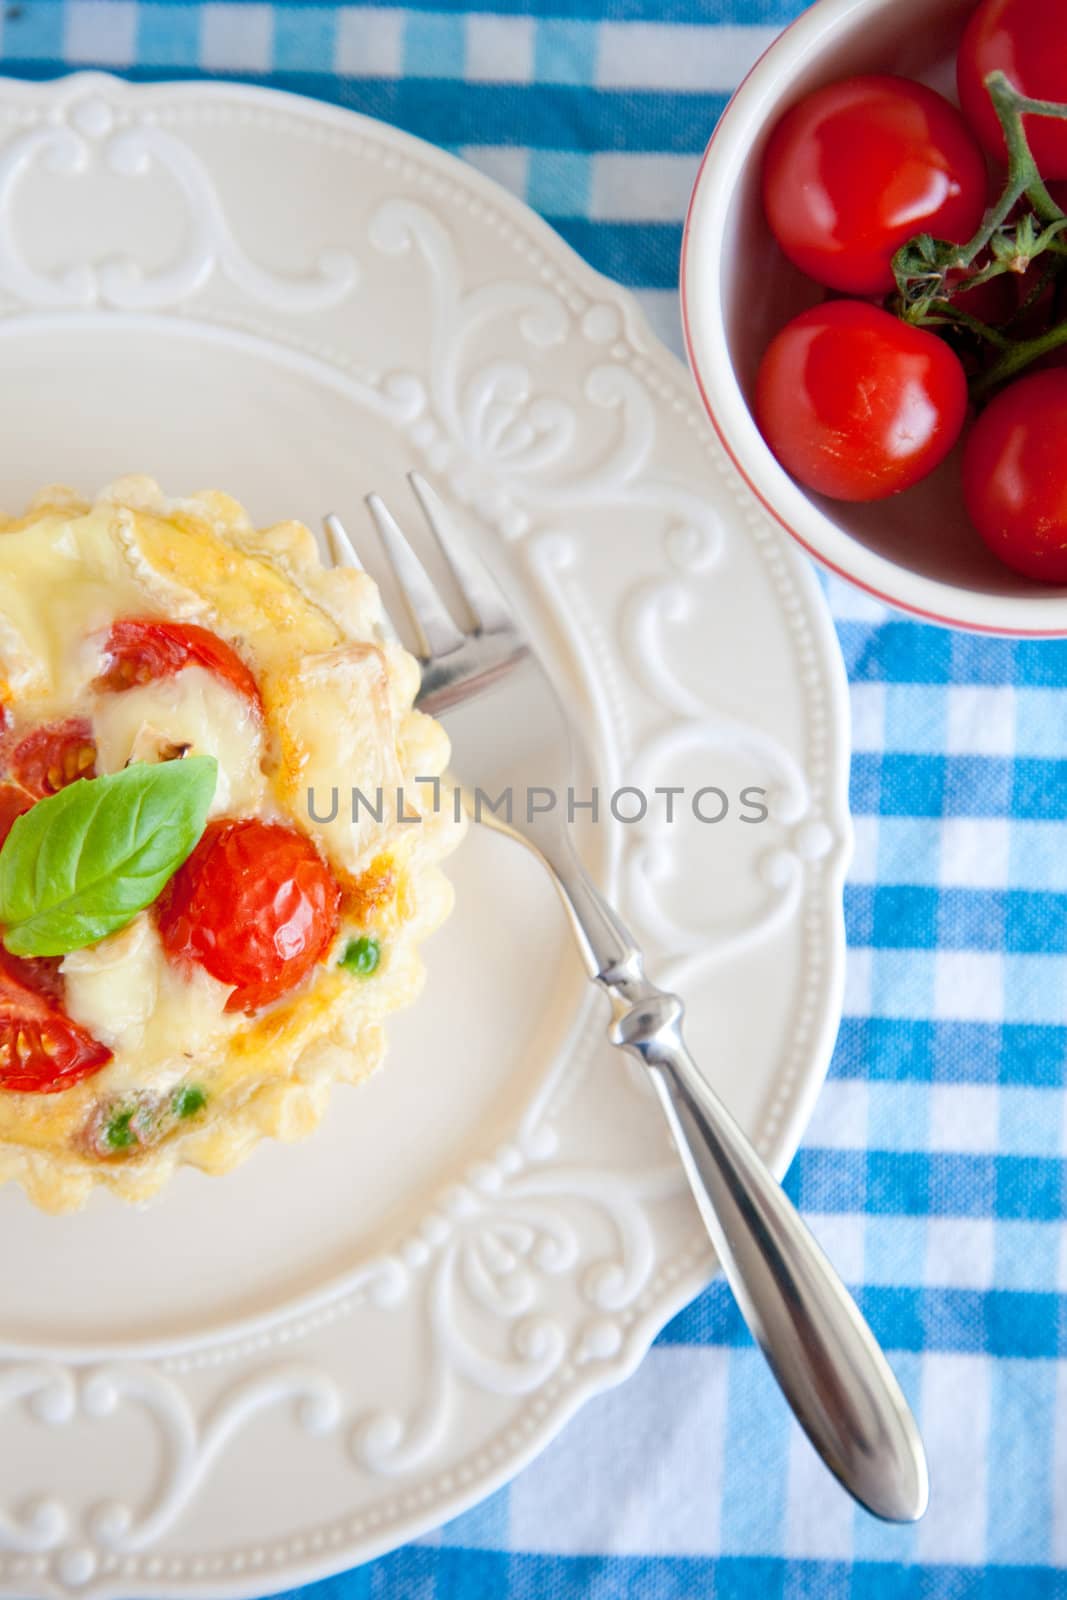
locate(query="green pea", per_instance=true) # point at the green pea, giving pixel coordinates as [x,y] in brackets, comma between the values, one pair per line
[361,956]
[188,1100]
[119,1133]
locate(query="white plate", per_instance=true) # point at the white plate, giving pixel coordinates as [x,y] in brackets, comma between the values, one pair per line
[273,1375]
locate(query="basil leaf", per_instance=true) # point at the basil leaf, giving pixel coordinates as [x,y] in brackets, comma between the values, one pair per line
[80,864]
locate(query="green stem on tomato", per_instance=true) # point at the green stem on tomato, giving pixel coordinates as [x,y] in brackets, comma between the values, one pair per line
[944,314]
[1023,175]
[923,265]
[1019,354]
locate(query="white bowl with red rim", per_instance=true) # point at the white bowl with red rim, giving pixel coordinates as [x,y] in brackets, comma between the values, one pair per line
[917,550]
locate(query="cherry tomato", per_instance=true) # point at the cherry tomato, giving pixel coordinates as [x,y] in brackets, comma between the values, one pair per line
[13,802]
[856,404]
[1026,40]
[40,973]
[52,756]
[41,1050]
[255,905]
[1015,476]
[140,649]
[852,171]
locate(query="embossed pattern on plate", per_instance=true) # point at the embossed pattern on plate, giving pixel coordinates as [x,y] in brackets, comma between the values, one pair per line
[271,1376]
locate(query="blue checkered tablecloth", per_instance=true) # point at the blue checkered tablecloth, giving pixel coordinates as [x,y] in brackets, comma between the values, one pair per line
[934,1168]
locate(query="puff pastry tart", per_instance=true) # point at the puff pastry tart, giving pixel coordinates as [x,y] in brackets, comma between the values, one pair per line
[210,897]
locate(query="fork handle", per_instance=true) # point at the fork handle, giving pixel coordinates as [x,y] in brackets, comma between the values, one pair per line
[826,1359]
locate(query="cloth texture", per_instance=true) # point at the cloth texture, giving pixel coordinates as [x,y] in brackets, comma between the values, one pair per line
[934,1168]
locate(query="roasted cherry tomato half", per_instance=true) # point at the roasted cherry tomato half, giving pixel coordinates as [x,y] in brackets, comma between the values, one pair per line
[141,649]
[856,404]
[58,753]
[255,905]
[41,1050]
[40,973]
[1015,476]
[854,170]
[13,802]
[1027,41]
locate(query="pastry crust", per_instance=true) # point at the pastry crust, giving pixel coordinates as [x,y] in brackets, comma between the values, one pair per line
[337,695]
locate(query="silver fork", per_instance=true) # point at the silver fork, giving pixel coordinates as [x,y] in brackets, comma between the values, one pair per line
[825,1358]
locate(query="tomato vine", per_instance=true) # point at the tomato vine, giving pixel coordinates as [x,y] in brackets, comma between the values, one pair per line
[932,274]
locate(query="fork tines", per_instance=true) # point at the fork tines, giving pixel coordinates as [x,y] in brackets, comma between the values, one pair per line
[437,633]
[489,611]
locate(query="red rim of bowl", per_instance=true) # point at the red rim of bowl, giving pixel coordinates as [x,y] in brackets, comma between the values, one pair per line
[694,367]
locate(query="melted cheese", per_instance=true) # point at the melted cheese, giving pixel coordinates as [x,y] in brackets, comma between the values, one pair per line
[194,708]
[349,757]
[61,584]
[157,1018]
[112,987]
